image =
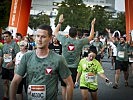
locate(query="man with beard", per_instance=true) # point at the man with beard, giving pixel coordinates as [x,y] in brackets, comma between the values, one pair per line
[121,59]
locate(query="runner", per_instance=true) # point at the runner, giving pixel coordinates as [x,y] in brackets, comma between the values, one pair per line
[43,68]
[72,48]
[88,70]
[7,59]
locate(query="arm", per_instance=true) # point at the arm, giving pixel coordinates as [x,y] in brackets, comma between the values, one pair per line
[0,64]
[103,76]
[14,85]
[10,63]
[61,20]
[110,35]
[78,76]
[130,41]
[91,36]
[69,87]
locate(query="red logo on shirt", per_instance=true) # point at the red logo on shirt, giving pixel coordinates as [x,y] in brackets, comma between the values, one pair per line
[71,47]
[48,71]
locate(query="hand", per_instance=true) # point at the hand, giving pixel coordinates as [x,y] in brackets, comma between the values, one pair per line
[9,64]
[61,19]
[108,83]
[76,85]
[108,30]
[93,21]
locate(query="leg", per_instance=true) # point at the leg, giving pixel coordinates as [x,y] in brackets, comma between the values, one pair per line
[19,94]
[112,62]
[63,92]
[84,93]
[126,72]
[117,76]
[6,88]
[94,95]
[5,77]
[132,68]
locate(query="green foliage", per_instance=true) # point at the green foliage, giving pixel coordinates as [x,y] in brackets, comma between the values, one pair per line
[76,14]
[5,6]
[118,23]
[36,20]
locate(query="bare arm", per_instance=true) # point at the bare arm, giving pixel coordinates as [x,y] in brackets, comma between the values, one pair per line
[130,41]
[110,36]
[14,85]
[69,87]
[61,20]
[103,76]
[78,76]
[0,64]
[91,36]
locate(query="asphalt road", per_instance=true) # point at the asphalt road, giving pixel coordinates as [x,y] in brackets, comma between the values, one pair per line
[104,92]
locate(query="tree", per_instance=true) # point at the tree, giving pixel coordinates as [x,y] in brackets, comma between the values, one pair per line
[75,13]
[36,20]
[101,16]
[5,6]
[118,23]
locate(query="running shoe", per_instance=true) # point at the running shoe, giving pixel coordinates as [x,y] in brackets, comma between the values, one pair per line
[126,84]
[115,86]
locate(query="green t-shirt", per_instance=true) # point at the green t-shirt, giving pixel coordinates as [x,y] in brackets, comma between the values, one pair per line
[89,71]
[1,45]
[122,51]
[130,50]
[8,53]
[44,71]
[98,45]
[71,49]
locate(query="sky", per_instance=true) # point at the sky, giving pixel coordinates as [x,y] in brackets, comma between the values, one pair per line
[120,5]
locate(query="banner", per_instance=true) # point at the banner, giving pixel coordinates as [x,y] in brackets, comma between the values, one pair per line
[129,16]
[19,16]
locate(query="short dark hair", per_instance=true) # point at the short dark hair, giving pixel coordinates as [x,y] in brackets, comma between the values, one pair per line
[19,34]
[72,32]
[7,32]
[93,49]
[46,27]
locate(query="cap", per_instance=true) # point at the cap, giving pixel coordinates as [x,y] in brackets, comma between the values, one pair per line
[23,43]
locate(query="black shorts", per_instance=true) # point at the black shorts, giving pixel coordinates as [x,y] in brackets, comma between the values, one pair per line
[122,65]
[114,57]
[7,74]
[74,74]
[90,90]
[20,87]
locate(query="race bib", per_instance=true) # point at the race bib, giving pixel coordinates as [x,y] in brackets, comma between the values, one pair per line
[7,57]
[37,92]
[130,59]
[121,54]
[90,77]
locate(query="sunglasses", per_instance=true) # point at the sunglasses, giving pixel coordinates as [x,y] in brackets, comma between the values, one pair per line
[21,45]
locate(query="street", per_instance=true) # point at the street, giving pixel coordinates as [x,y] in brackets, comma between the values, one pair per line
[104,92]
